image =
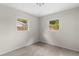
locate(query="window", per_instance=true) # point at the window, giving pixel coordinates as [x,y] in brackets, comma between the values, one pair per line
[54,24]
[22,24]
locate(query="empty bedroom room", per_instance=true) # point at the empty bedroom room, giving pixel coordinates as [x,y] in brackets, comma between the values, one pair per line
[39,29]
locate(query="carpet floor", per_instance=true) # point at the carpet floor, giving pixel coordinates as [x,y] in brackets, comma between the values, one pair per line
[42,49]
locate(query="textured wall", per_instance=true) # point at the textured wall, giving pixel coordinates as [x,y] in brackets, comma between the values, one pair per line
[68,34]
[10,38]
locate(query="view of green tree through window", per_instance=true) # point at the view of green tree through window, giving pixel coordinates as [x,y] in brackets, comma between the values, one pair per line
[54,25]
[22,24]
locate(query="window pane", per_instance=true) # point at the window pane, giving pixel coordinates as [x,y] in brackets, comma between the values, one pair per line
[22,24]
[54,25]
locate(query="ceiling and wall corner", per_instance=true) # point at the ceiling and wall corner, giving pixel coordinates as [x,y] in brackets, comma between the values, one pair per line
[42,9]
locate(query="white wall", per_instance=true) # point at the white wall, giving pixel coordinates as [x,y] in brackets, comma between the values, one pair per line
[68,34]
[10,38]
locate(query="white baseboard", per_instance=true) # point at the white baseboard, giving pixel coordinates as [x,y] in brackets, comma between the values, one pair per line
[60,46]
[12,49]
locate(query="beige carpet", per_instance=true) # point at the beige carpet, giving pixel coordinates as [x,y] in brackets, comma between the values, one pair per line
[42,49]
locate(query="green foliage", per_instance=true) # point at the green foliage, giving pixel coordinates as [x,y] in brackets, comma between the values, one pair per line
[22,20]
[54,24]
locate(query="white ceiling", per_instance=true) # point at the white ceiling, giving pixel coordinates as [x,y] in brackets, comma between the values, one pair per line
[46,9]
